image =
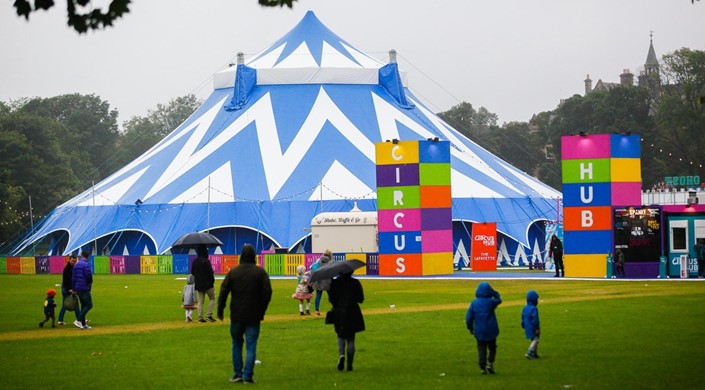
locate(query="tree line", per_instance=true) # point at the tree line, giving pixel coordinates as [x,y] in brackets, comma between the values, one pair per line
[54,148]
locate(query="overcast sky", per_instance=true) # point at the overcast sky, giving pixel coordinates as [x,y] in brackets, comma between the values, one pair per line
[514,57]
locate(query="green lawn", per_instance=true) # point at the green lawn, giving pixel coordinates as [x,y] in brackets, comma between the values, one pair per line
[595,334]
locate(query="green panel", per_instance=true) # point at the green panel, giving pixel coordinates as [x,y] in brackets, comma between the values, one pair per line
[572,171]
[165,265]
[3,265]
[411,198]
[101,265]
[434,174]
[274,264]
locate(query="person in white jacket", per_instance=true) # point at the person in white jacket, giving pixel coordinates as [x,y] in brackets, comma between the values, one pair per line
[188,298]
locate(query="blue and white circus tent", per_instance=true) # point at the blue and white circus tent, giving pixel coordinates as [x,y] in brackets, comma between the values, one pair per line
[286,135]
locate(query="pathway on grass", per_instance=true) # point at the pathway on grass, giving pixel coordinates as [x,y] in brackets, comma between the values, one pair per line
[70,331]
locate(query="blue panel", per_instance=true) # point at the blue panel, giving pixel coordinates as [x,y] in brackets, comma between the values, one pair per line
[597,194]
[434,152]
[625,146]
[587,242]
[407,242]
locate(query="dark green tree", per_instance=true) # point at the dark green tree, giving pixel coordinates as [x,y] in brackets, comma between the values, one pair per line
[677,142]
[91,132]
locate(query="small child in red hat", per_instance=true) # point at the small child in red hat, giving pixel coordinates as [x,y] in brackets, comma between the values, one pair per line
[49,306]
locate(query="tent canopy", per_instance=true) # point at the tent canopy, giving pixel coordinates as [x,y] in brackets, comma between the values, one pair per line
[284,136]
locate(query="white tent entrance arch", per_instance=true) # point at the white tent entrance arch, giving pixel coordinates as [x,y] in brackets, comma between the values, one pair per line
[285,135]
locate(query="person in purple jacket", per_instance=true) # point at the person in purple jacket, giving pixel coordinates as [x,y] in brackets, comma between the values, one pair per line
[82,281]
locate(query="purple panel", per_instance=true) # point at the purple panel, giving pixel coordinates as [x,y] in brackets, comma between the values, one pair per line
[436,219]
[132,265]
[41,264]
[408,175]
[641,270]
[372,264]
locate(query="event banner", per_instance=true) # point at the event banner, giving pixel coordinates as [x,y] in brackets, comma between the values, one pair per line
[484,247]
[414,208]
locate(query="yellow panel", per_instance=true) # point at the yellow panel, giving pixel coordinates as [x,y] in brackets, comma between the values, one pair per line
[404,152]
[625,169]
[358,256]
[437,263]
[585,266]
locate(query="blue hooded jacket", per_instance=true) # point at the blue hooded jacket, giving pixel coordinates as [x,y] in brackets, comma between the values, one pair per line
[82,279]
[480,318]
[530,315]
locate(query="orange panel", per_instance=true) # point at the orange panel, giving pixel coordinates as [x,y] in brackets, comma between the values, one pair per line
[400,265]
[435,197]
[587,218]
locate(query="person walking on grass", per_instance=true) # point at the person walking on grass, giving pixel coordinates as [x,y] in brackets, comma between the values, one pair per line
[345,296]
[188,297]
[250,290]
[530,323]
[49,308]
[302,292]
[202,271]
[66,289]
[82,283]
[481,320]
[323,284]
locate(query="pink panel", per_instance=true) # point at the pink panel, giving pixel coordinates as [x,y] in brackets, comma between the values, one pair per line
[117,265]
[574,147]
[216,263]
[436,241]
[310,258]
[56,264]
[626,194]
[409,219]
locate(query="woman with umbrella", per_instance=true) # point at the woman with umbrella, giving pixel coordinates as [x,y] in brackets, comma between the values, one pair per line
[345,295]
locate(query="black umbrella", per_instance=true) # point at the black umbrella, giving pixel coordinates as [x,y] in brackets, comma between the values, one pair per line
[332,270]
[196,239]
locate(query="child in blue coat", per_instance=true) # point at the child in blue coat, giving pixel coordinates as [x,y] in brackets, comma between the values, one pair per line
[482,323]
[530,323]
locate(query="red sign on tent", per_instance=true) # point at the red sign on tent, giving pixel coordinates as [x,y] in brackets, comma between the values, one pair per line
[484,247]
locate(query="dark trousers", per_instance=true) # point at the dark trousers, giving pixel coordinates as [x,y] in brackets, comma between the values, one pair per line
[558,259]
[482,347]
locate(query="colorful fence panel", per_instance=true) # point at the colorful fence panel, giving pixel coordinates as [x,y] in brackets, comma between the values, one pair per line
[274,264]
[292,262]
[57,264]
[216,263]
[14,266]
[28,266]
[372,264]
[42,264]
[148,265]
[230,261]
[101,265]
[3,265]
[117,265]
[180,264]
[164,265]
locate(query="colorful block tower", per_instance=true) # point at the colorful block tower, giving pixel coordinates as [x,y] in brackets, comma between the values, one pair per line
[414,208]
[599,172]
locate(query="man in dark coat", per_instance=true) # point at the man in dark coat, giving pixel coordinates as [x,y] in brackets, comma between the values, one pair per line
[345,295]
[250,291]
[202,271]
[556,248]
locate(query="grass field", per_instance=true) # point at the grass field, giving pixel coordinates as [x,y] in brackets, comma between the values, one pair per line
[595,335]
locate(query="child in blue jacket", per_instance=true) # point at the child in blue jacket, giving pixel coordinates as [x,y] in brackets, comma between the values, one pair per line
[49,307]
[530,323]
[482,323]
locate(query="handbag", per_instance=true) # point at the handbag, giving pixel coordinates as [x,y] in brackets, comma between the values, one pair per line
[71,302]
[309,289]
